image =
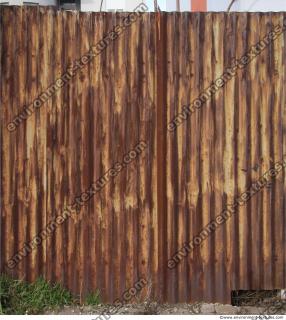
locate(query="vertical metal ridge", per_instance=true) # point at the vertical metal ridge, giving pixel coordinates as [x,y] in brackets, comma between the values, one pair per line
[161,145]
[130,92]
[1,140]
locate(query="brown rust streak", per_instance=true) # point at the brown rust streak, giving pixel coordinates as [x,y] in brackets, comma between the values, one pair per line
[118,76]
[31,142]
[153,155]
[283,116]
[7,148]
[182,180]
[206,153]
[83,105]
[161,149]
[242,154]
[93,225]
[106,94]
[277,79]
[193,189]
[265,108]
[219,141]
[71,186]
[171,106]
[254,114]
[46,134]
[181,152]
[58,165]
[146,108]
[15,104]
[186,70]
[47,53]
[131,194]
[96,83]
[229,151]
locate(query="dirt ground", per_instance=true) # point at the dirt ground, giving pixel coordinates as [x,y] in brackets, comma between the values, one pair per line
[165,309]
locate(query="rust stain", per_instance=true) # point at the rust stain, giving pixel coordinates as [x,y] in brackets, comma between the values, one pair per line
[128,93]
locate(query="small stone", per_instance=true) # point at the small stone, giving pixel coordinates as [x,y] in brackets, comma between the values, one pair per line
[207,308]
[251,310]
[226,309]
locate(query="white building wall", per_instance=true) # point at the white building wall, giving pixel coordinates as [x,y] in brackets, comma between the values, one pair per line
[87,5]
[115,5]
[92,5]
[21,2]
[45,2]
[168,5]
[130,5]
[261,5]
[185,5]
[247,5]
[239,5]
[219,5]
[109,5]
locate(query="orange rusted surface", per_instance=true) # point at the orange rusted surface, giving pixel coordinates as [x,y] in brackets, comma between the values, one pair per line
[126,94]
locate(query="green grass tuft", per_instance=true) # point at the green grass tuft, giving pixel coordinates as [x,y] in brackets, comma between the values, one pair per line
[19,297]
[93,298]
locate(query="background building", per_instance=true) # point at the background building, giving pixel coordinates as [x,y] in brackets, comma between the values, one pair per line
[110,5]
[222,5]
[29,2]
[165,5]
[83,5]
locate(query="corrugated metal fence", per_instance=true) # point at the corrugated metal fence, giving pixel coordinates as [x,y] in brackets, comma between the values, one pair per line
[183,179]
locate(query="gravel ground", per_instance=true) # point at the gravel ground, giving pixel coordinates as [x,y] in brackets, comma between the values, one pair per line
[165,309]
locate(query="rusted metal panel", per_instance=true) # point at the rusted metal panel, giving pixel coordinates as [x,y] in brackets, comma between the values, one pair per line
[184,179]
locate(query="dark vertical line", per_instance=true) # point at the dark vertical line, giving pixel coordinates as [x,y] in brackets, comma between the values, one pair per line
[91,227]
[75,109]
[248,164]
[139,99]
[199,218]
[214,274]
[26,261]
[235,265]
[284,174]
[1,137]
[212,166]
[38,209]
[273,188]
[63,137]
[51,144]
[175,157]
[224,200]
[259,214]
[161,146]
[13,148]
[188,158]
[151,55]
[108,81]
[125,137]
[112,153]
[28,76]
[187,53]
[16,85]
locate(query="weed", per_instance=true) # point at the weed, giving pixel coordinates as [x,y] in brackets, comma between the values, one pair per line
[93,298]
[20,297]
